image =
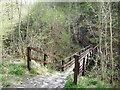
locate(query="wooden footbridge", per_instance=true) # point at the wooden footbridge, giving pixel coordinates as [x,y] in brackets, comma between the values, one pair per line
[80,60]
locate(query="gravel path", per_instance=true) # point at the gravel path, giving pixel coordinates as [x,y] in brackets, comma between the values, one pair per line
[49,80]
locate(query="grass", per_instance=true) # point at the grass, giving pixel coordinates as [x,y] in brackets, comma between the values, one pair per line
[3,78]
[6,84]
[13,73]
[17,71]
[85,82]
[23,65]
[32,71]
[18,79]
[2,71]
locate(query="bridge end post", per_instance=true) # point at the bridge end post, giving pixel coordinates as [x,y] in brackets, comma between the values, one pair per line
[28,57]
[76,69]
[62,65]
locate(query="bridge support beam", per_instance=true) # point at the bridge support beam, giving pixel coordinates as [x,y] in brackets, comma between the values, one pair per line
[76,69]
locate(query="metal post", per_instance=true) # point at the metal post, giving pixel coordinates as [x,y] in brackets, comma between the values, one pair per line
[70,59]
[63,65]
[76,69]
[90,54]
[28,57]
[83,69]
[87,62]
[45,59]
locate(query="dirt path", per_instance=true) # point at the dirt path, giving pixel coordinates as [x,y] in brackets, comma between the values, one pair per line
[49,80]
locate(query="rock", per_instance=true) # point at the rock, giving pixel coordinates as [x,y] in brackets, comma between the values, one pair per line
[45,83]
[34,85]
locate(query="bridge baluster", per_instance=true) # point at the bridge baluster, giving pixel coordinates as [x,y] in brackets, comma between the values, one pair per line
[90,54]
[83,69]
[28,57]
[87,61]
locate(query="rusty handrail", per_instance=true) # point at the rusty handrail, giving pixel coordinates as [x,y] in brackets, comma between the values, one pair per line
[63,64]
[47,62]
[87,47]
[29,58]
[70,62]
[56,57]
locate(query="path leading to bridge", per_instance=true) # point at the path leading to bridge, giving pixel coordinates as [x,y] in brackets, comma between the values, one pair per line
[49,80]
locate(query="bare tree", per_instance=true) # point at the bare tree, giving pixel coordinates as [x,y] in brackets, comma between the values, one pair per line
[111,45]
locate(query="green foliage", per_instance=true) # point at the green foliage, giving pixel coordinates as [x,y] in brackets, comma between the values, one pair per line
[50,71]
[48,26]
[17,71]
[2,71]
[33,71]
[90,58]
[23,65]
[6,78]
[94,40]
[85,82]
[93,82]
[3,78]
[13,65]
[6,84]
[18,79]
[14,72]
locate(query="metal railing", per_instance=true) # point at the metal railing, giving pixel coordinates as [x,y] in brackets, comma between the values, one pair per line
[29,58]
[81,62]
